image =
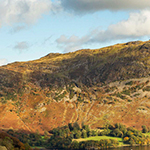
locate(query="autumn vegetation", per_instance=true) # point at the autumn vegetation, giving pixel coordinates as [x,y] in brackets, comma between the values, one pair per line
[103,86]
[12,143]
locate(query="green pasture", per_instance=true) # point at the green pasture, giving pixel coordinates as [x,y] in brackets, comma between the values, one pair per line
[98,138]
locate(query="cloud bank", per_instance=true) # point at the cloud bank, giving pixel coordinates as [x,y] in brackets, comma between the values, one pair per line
[87,6]
[29,11]
[23,11]
[136,26]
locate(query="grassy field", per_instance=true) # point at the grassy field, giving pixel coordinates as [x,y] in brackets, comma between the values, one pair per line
[98,138]
[38,147]
[147,134]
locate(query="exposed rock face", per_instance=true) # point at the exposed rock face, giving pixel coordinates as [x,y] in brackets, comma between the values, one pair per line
[111,84]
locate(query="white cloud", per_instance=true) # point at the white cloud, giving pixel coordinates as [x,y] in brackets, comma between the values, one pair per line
[17,29]
[87,6]
[24,11]
[21,46]
[72,43]
[3,62]
[136,26]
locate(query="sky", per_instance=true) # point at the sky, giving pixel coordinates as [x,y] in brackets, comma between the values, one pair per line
[30,29]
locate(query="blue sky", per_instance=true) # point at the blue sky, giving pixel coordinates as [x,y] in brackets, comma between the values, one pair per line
[30,29]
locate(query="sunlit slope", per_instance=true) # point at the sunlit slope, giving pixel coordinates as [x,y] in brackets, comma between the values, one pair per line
[99,86]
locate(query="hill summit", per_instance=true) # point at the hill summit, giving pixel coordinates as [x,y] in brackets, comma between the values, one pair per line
[94,87]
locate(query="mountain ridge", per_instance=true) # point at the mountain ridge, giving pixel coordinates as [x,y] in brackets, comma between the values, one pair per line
[77,86]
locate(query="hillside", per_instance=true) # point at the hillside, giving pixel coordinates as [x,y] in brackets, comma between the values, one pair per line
[106,85]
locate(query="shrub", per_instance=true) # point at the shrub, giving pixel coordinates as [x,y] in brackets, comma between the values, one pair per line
[126,92]
[146,88]
[71,93]
[129,83]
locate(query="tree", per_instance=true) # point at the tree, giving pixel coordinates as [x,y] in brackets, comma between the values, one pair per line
[85,127]
[105,132]
[77,134]
[84,134]
[94,133]
[76,126]
[59,142]
[89,133]
[144,129]
[70,126]
[8,143]
[116,133]
[126,139]
[74,145]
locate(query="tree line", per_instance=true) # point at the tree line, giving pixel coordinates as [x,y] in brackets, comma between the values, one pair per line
[64,137]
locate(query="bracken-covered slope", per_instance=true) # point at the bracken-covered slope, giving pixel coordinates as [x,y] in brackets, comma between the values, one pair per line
[94,87]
